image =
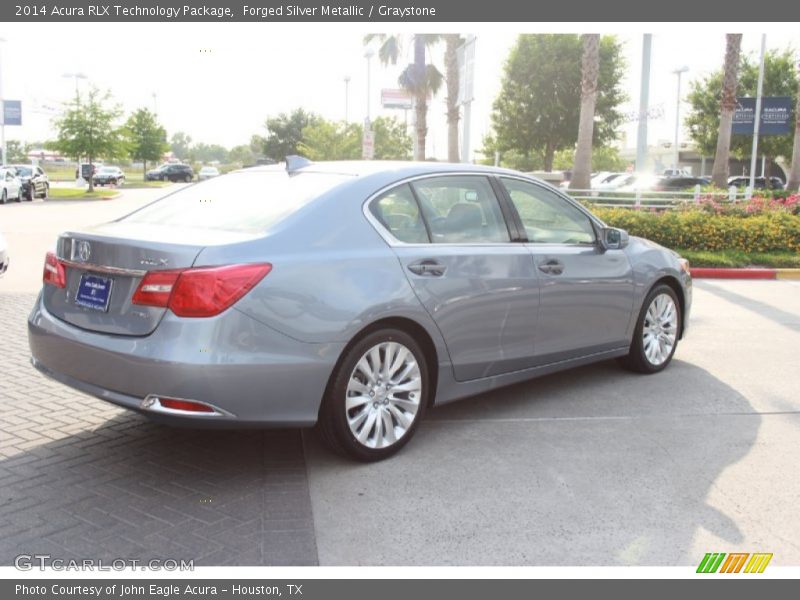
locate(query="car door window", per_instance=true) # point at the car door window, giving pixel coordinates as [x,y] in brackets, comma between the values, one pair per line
[397,211]
[461,209]
[547,217]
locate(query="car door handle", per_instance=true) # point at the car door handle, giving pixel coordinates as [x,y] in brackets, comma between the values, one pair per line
[552,267]
[428,268]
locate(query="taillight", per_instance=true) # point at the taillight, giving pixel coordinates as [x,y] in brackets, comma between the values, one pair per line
[199,292]
[54,273]
[156,288]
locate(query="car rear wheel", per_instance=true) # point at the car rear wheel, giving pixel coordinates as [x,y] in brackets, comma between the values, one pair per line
[656,335]
[188,178]
[46,192]
[3,197]
[377,396]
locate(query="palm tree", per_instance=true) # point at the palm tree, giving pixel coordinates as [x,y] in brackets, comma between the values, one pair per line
[452,42]
[590,70]
[733,44]
[419,78]
[793,184]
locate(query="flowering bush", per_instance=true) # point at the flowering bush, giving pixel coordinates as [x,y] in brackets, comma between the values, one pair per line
[755,226]
[755,206]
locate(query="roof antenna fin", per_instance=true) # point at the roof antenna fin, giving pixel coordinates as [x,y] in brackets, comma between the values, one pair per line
[295,162]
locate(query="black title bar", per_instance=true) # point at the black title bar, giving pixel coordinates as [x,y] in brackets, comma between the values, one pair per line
[394,11]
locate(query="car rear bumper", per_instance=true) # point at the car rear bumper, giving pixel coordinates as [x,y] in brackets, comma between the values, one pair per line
[251,374]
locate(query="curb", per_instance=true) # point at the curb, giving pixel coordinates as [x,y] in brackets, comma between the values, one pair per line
[750,273]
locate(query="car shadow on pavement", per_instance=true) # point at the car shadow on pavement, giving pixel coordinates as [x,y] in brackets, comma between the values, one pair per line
[595,466]
[132,489]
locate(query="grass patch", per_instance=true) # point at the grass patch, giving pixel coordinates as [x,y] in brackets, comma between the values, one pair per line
[738,259]
[80,194]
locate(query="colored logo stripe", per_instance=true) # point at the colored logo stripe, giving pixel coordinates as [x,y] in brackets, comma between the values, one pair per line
[711,562]
[734,562]
[758,563]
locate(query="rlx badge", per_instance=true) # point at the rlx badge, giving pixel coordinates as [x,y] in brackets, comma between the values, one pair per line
[154,262]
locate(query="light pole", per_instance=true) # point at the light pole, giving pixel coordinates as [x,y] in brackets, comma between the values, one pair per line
[368,54]
[678,72]
[346,98]
[75,76]
[155,104]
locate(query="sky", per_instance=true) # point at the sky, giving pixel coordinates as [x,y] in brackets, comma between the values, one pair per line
[219,82]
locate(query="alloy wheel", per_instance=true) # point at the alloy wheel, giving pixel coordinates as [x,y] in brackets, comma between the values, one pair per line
[660,329]
[383,395]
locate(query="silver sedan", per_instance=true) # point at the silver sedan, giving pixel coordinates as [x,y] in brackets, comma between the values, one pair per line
[351,295]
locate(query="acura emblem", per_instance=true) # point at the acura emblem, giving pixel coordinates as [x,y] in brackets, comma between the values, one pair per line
[83,250]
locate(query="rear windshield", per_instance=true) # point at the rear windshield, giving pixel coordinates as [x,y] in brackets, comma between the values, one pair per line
[247,202]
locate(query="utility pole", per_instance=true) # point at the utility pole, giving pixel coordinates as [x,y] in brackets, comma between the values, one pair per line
[644,99]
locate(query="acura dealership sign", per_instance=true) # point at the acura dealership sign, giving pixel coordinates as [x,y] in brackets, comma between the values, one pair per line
[776,116]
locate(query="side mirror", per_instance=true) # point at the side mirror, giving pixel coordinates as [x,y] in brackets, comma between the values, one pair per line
[612,238]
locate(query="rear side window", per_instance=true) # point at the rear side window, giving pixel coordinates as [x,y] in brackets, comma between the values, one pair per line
[398,212]
[245,201]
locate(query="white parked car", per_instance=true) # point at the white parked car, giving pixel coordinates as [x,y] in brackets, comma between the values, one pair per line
[208,173]
[11,186]
[3,255]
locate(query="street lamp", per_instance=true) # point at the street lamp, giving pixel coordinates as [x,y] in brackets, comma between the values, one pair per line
[346,98]
[678,72]
[368,54]
[75,76]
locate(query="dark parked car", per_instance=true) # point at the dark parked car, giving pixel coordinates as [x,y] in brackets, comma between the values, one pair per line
[350,294]
[109,176]
[760,183]
[35,183]
[171,172]
[676,184]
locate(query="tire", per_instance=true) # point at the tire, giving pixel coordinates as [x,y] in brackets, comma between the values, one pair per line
[379,421]
[4,197]
[656,334]
[188,179]
[31,193]
[46,193]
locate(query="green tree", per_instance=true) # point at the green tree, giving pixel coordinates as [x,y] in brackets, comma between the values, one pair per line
[285,132]
[590,69]
[88,129]
[17,152]
[604,158]
[242,155]
[201,152]
[180,144]
[536,111]
[703,120]
[331,140]
[337,140]
[420,78]
[392,141]
[146,138]
[727,105]
[452,76]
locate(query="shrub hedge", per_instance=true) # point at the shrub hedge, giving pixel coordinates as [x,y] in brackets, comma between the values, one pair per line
[697,229]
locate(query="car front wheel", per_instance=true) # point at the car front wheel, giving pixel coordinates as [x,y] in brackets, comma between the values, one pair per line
[377,396]
[657,330]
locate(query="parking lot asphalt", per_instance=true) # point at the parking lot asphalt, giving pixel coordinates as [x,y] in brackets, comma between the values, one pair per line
[595,466]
